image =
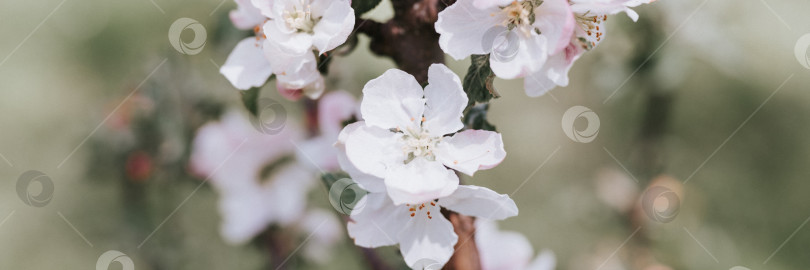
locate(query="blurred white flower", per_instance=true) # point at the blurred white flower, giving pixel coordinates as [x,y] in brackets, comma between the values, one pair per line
[233,155]
[504,250]
[404,136]
[518,35]
[424,235]
[325,231]
[298,26]
[334,109]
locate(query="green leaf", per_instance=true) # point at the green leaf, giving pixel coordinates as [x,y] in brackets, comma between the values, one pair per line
[250,98]
[476,118]
[362,6]
[330,178]
[479,80]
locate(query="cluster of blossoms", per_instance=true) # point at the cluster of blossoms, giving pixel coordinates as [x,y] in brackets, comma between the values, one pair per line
[289,36]
[538,40]
[409,145]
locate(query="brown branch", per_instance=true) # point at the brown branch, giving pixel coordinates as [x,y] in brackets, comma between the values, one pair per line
[465,256]
[409,38]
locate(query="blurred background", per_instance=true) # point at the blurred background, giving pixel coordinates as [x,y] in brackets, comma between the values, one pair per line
[705,98]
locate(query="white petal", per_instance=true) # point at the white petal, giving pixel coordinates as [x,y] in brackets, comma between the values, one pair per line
[444,101]
[326,231]
[556,21]
[501,249]
[544,261]
[294,72]
[531,53]
[420,181]
[245,67]
[246,16]
[294,43]
[393,100]
[471,150]
[366,181]
[378,223]
[480,202]
[463,27]
[427,243]
[334,109]
[224,150]
[374,150]
[334,27]
[607,7]
[555,72]
[482,4]
[285,192]
[243,216]
[265,7]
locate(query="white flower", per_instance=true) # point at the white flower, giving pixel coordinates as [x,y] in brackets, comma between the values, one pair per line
[296,75]
[232,154]
[520,35]
[588,33]
[504,250]
[404,137]
[254,59]
[334,109]
[424,235]
[297,26]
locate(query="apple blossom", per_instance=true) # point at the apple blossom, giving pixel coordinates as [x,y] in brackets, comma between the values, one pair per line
[589,32]
[408,136]
[422,232]
[536,29]
[298,26]
[255,59]
[505,250]
[225,153]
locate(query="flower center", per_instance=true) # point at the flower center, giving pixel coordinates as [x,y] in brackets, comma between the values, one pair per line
[590,24]
[300,19]
[519,14]
[419,209]
[419,144]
